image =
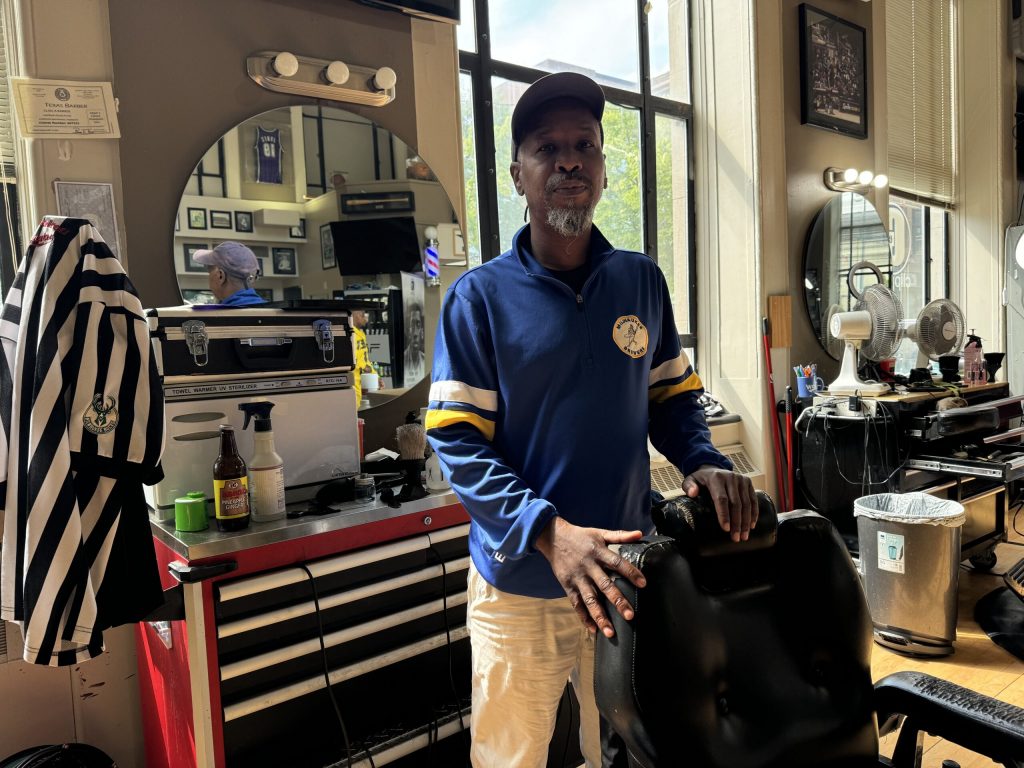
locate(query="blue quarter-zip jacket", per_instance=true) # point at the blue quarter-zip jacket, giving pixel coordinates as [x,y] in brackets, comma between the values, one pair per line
[542,401]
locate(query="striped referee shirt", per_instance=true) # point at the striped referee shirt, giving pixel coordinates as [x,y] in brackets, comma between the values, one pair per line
[82,415]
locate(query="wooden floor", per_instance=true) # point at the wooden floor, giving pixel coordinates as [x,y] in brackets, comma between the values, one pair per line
[978,663]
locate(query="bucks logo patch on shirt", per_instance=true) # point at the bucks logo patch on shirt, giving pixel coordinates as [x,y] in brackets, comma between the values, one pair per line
[101,415]
[630,335]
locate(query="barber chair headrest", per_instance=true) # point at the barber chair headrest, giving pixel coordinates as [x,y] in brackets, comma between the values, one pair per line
[719,563]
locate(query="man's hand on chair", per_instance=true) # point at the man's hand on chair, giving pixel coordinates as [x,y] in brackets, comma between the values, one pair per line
[583,564]
[733,494]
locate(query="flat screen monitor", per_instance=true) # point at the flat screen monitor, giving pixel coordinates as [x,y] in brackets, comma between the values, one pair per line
[445,10]
[376,246]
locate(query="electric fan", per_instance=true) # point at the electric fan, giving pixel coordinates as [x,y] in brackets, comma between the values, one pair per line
[940,329]
[873,328]
[833,345]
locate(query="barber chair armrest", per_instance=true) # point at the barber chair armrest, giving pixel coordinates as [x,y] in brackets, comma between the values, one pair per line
[970,719]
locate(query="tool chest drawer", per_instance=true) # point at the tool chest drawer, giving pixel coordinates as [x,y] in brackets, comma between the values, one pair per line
[390,620]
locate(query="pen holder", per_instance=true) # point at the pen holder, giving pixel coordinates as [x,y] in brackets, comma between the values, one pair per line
[806,386]
[412,485]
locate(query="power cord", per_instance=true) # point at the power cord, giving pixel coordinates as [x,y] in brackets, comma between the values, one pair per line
[448,644]
[327,672]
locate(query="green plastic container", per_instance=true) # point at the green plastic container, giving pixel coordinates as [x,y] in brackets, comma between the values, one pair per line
[190,512]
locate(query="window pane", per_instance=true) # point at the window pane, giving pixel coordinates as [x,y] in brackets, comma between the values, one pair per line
[673,187]
[505,94]
[597,38]
[465,33]
[619,214]
[668,29]
[907,235]
[472,234]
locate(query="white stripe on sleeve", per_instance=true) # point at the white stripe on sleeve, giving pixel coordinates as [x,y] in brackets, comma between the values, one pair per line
[457,392]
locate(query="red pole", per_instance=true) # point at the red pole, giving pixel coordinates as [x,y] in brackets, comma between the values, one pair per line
[791,484]
[773,416]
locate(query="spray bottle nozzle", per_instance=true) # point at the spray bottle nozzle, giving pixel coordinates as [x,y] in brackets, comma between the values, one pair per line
[260,411]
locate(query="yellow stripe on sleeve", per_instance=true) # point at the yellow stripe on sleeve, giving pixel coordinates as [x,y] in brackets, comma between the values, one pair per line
[440,418]
[661,394]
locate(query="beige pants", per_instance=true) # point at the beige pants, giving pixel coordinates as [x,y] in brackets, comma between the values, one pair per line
[524,651]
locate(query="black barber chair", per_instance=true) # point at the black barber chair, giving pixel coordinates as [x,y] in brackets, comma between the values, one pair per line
[757,655]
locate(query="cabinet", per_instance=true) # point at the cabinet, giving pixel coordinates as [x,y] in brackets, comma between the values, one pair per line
[240,681]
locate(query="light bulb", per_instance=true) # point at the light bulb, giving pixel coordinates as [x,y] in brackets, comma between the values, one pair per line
[808,284]
[865,177]
[285,64]
[336,73]
[385,79]
[850,175]
[881,180]
[430,233]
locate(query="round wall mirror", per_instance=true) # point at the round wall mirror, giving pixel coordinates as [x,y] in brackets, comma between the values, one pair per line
[847,250]
[333,206]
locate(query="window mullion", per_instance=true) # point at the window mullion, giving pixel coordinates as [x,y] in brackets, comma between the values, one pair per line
[648,164]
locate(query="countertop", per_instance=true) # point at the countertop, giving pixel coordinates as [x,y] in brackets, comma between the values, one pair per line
[211,542]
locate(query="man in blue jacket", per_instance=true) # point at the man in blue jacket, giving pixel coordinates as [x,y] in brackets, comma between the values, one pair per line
[553,365]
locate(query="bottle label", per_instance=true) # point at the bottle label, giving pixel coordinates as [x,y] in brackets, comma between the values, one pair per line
[267,485]
[231,498]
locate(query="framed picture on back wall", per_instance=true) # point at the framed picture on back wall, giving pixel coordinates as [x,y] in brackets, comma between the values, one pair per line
[833,73]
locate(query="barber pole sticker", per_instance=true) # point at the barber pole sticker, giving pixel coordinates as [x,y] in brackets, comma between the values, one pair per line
[891,553]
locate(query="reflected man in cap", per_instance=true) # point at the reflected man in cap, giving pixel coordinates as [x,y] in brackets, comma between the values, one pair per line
[554,364]
[233,269]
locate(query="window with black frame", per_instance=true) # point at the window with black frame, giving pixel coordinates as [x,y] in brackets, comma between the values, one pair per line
[639,51]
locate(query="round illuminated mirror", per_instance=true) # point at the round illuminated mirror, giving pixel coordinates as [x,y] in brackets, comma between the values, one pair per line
[848,250]
[333,206]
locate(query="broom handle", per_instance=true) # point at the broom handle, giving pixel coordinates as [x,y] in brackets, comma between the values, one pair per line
[777,443]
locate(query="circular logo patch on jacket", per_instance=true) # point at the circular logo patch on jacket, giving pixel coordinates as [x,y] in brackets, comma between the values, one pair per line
[630,335]
[101,415]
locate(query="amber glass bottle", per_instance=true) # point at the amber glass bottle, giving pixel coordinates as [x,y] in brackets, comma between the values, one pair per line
[230,484]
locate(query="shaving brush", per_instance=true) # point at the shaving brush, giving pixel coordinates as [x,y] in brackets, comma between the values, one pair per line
[412,446]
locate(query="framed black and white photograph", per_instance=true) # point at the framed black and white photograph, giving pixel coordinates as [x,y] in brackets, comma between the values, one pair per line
[92,200]
[243,221]
[197,218]
[299,232]
[198,296]
[191,265]
[833,73]
[327,247]
[220,219]
[259,267]
[284,261]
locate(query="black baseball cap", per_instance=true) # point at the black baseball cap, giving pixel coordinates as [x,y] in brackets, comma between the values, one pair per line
[560,85]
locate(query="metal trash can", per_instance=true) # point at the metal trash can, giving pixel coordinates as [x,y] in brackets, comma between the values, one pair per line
[910,560]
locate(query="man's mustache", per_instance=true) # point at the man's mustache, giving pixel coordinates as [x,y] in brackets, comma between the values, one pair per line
[557,179]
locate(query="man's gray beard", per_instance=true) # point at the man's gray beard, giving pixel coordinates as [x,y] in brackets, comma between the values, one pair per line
[570,222]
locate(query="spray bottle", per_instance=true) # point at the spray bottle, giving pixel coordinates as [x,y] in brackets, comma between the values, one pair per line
[266,469]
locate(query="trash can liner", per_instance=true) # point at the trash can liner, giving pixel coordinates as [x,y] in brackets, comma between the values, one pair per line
[911,508]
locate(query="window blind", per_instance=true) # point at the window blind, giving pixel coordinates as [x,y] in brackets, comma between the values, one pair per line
[919,80]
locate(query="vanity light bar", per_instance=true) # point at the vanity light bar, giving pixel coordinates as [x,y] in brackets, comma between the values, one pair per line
[852,180]
[285,72]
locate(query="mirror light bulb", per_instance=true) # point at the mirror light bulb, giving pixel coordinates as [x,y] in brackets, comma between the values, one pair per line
[336,73]
[385,79]
[865,177]
[881,180]
[286,64]
[850,175]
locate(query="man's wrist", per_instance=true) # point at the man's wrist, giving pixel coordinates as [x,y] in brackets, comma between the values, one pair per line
[543,543]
